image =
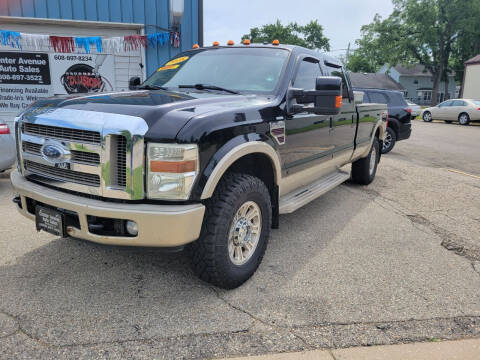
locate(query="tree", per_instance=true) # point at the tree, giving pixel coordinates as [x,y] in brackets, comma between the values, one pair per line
[309,36]
[418,31]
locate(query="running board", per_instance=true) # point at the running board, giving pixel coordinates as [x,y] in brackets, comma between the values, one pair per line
[300,197]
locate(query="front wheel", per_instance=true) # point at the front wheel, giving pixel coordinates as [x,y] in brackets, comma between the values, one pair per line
[427,116]
[389,141]
[235,232]
[464,119]
[364,170]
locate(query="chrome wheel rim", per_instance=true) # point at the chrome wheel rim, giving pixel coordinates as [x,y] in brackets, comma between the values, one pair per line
[373,160]
[244,233]
[463,119]
[387,141]
[427,117]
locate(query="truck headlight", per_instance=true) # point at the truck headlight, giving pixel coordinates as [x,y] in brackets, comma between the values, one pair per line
[171,170]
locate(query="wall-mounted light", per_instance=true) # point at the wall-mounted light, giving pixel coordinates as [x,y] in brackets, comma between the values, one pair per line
[176,13]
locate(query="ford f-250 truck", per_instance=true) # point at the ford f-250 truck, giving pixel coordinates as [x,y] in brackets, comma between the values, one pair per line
[206,154]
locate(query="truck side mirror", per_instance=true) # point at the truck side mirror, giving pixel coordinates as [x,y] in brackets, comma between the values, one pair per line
[326,98]
[134,82]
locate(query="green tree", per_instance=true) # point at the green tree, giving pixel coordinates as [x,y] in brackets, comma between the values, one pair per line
[309,36]
[418,31]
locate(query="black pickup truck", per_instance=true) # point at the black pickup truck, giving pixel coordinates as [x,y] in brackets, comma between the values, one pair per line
[205,154]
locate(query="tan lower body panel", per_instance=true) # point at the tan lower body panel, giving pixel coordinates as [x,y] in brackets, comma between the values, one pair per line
[158,225]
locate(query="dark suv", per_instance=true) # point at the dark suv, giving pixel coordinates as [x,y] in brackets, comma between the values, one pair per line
[399,126]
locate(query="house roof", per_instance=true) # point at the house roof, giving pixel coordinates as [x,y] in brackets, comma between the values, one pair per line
[474,60]
[415,70]
[374,81]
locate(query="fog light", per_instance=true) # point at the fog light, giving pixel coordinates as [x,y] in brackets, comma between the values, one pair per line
[132,227]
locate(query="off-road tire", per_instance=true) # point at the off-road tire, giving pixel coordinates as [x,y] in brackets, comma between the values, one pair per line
[388,145]
[361,173]
[427,118]
[209,254]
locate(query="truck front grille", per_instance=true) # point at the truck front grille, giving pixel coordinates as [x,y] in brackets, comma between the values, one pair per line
[61,133]
[102,157]
[79,157]
[60,174]
[118,161]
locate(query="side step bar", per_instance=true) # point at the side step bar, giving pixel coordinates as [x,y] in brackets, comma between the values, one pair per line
[300,197]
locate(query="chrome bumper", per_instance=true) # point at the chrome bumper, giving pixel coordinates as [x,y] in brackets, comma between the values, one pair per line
[158,225]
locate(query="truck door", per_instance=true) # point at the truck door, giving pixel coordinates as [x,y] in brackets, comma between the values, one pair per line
[344,124]
[369,116]
[308,137]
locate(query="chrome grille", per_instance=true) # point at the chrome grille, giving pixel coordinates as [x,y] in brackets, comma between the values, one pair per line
[79,157]
[61,133]
[60,174]
[121,163]
[83,157]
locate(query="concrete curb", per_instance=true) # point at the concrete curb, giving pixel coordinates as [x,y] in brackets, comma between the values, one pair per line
[467,349]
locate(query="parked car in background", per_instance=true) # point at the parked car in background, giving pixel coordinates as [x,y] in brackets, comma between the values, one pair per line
[462,110]
[7,147]
[416,109]
[399,126]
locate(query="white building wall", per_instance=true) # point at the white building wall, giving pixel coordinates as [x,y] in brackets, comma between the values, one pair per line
[471,86]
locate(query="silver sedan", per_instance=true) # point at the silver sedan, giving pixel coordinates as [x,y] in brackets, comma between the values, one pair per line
[461,110]
[7,147]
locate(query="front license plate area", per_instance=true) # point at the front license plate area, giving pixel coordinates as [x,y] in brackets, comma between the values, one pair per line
[50,220]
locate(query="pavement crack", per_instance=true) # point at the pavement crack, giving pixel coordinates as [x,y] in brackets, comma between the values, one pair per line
[332,354]
[255,319]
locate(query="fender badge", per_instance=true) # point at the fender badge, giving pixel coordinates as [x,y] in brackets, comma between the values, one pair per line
[277,130]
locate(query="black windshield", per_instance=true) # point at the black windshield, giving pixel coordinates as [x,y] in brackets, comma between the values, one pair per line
[238,69]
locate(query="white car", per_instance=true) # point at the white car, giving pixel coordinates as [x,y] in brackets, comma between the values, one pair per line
[416,109]
[461,110]
[7,147]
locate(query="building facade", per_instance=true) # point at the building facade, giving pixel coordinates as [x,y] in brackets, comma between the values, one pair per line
[418,83]
[471,79]
[102,68]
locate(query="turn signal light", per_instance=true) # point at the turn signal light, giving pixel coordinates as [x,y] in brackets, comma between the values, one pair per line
[195,46]
[216,43]
[338,102]
[246,42]
[4,129]
[275,42]
[176,167]
[478,109]
[230,42]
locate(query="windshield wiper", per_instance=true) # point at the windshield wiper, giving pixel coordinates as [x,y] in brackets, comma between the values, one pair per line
[151,87]
[207,87]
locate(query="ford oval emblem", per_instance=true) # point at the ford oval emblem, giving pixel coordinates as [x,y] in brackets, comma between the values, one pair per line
[54,152]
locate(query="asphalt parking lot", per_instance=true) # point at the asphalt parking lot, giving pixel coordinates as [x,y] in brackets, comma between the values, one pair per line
[396,261]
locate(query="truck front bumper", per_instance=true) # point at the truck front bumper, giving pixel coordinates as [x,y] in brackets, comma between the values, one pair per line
[158,225]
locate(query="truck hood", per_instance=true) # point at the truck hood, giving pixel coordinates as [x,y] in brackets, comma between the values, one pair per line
[165,112]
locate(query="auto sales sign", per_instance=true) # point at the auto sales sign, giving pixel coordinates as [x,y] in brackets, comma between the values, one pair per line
[26,77]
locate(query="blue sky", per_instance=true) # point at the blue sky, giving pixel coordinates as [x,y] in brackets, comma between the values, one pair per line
[341,19]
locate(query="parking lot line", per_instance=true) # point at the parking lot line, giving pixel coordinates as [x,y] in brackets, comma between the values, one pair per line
[463,173]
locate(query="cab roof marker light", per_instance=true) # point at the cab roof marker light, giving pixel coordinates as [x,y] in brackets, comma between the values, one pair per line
[216,43]
[276,42]
[246,42]
[195,46]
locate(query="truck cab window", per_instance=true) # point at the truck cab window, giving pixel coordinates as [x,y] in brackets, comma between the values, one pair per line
[307,73]
[331,71]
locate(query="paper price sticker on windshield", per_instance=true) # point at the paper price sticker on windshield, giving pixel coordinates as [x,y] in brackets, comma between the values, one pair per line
[168,67]
[177,60]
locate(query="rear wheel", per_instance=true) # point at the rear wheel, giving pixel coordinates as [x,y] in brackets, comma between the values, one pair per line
[463,119]
[427,116]
[235,232]
[364,170]
[389,141]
